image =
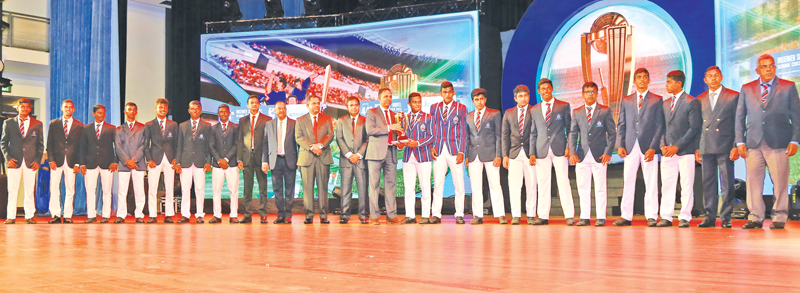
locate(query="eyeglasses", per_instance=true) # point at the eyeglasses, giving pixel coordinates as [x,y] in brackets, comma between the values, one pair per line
[590,92]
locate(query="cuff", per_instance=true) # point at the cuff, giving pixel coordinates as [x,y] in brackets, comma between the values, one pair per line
[360,156]
[226,160]
[264,164]
[794,142]
[741,143]
[348,154]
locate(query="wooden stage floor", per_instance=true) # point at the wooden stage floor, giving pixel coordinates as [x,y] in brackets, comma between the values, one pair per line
[411,258]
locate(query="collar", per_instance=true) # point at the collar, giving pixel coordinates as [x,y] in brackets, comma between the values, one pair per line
[162,121]
[717,92]
[644,94]
[353,117]
[771,82]
[448,105]
[254,115]
[521,109]
[383,109]
[678,96]
[481,111]
[284,119]
[130,122]
[593,106]
[224,123]
[195,121]
[98,124]
[67,119]
[551,102]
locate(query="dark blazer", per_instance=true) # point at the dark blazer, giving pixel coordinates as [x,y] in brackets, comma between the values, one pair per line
[304,135]
[777,123]
[550,136]
[351,141]
[224,144]
[157,145]
[513,140]
[647,125]
[195,151]
[98,152]
[59,145]
[682,127]
[130,145]
[30,148]
[271,144]
[243,139]
[599,136]
[719,124]
[484,144]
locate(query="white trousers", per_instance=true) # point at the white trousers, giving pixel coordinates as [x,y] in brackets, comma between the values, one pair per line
[519,168]
[106,177]
[670,168]
[169,188]
[218,176]
[411,171]
[495,190]
[650,172]
[198,176]
[138,193]
[28,177]
[55,191]
[543,174]
[440,165]
[584,172]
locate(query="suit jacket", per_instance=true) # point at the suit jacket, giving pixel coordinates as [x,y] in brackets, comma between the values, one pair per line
[156,145]
[599,136]
[243,139]
[682,127]
[60,146]
[646,125]
[422,130]
[30,148]
[378,132]
[96,152]
[484,144]
[552,136]
[129,144]
[777,123]
[451,131]
[271,144]
[304,135]
[195,151]
[513,140]
[351,141]
[719,124]
[224,143]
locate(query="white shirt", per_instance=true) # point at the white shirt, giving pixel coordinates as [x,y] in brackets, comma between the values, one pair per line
[544,106]
[256,121]
[164,123]
[713,102]
[479,113]
[675,103]
[594,107]
[348,154]
[644,95]
[282,130]
[521,111]
[130,124]
[96,126]
[27,124]
[69,123]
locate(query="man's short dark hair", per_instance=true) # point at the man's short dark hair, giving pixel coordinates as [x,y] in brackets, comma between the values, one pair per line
[98,107]
[223,106]
[380,91]
[68,101]
[521,89]
[131,104]
[641,70]
[713,67]
[23,101]
[590,84]
[296,80]
[414,94]
[446,84]
[677,76]
[314,97]
[544,81]
[352,99]
[282,80]
[477,92]
[162,101]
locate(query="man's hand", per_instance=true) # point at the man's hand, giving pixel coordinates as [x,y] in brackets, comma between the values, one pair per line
[83,170]
[131,164]
[497,161]
[76,169]
[396,127]
[566,153]
[412,143]
[734,154]
[241,165]
[697,157]
[265,168]
[353,158]
[53,165]
[12,163]
[151,164]
[532,161]
[35,165]
[223,164]
[434,154]
[742,148]
[649,155]
[178,168]
[174,162]
[573,159]
[459,158]
[622,153]
[791,150]
[207,168]
[669,151]
[505,162]
[113,167]
[604,159]
[466,162]
[400,145]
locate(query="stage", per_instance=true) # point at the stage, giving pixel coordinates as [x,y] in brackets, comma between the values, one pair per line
[366,258]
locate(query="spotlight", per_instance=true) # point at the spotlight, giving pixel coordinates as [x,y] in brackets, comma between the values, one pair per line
[274,8]
[312,7]
[230,10]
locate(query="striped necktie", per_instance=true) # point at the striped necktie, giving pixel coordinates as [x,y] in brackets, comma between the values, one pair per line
[161,124]
[589,115]
[672,105]
[97,127]
[66,130]
[194,128]
[547,114]
[224,127]
[22,127]
[444,114]
[764,94]
[521,118]
[478,121]
[641,100]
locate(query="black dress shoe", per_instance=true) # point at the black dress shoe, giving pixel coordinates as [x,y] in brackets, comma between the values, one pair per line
[287,220]
[435,220]
[104,220]
[410,220]
[55,220]
[343,220]
[214,220]
[541,221]
[308,221]
[600,223]
[583,222]
[460,220]
[278,220]
[651,222]
[67,221]
[777,225]
[727,224]
[264,220]
[324,221]
[30,221]
[707,223]
[139,220]
[183,220]
[247,220]
[119,220]
[10,221]
[664,223]
[622,222]
[365,221]
[683,224]
[168,220]
[234,220]
[90,220]
[753,225]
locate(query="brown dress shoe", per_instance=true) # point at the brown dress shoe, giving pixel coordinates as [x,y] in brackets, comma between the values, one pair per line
[777,225]
[541,221]
[234,220]
[570,222]
[30,221]
[139,221]
[199,220]
[435,220]
[214,220]
[622,222]
[476,221]
[10,221]
[151,220]
[664,223]
[55,220]
[502,220]
[583,222]
[460,220]
[104,220]
[119,220]
[90,220]
[410,220]
[183,220]
[374,222]
[424,221]
[67,220]
[395,221]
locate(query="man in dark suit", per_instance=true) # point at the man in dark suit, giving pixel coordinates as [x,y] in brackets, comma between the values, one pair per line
[314,134]
[129,144]
[63,137]
[682,122]
[224,152]
[195,142]
[417,160]
[383,130]
[160,141]
[591,141]
[639,131]
[98,159]
[484,151]
[280,156]
[351,136]
[516,147]
[767,134]
[23,147]
[250,150]
[717,150]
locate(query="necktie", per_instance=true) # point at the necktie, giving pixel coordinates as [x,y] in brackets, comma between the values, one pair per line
[224,127]
[521,118]
[130,126]
[280,137]
[22,127]
[66,130]
[764,93]
[547,114]
[589,115]
[712,98]
[161,124]
[478,121]
[388,121]
[672,105]
[315,129]
[354,127]
[252,124]
[640,102]
[194,128]
[97,127]
[444,114]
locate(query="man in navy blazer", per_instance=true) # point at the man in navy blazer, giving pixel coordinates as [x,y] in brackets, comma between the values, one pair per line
[767,134]
[223,158]
[250,150]
[22,144]
[717,149]
[63,138]
[160,142]
[129,145]
[98,159]
[484,151]
[195,142]
[682,122]
[516,133]
[639,130]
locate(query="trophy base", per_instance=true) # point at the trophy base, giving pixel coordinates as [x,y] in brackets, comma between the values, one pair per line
[403,141]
